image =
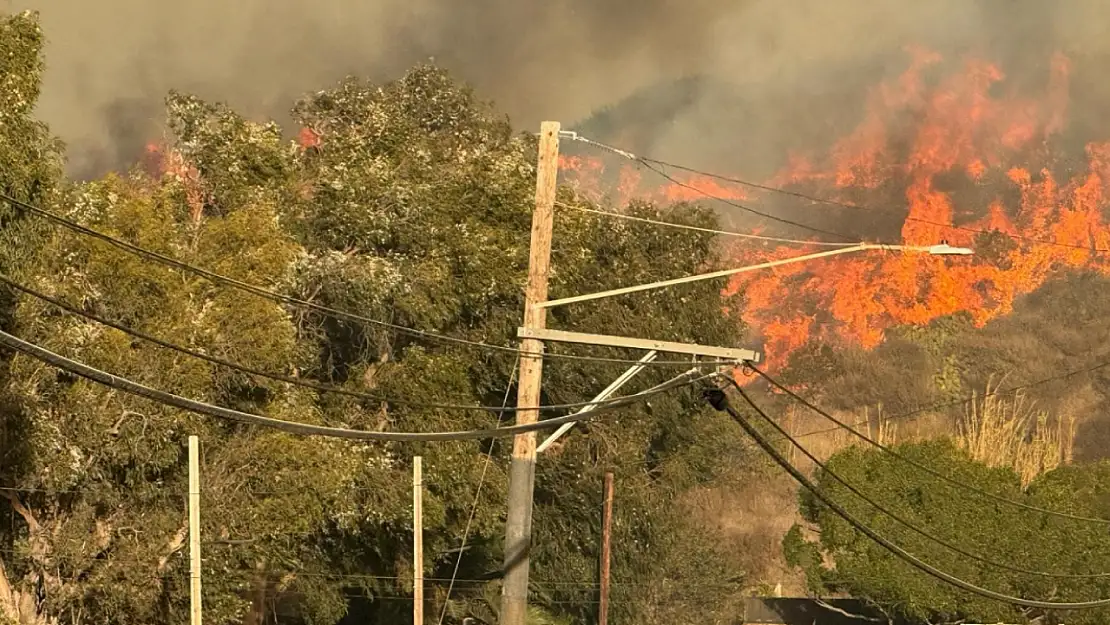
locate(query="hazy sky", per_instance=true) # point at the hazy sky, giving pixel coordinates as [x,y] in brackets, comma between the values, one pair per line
[110,62]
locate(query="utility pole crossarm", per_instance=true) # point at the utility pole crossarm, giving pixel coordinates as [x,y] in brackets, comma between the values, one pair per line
[605,340]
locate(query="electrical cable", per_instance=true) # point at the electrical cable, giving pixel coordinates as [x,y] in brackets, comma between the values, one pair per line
[134,388]
[563,585]
[946,404]
[671,224]
[893,515]
[849,205]
[965,400]
[317,386]
[650,164]
[914,463]
[717,398]
[477,499]
[918,465]
[326,310]
[734,204]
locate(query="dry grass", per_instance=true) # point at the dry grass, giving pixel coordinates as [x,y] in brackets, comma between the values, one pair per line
[1011,432]
[823,439]
[752,519]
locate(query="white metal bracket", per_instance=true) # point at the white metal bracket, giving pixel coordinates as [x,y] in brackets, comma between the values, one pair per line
[602,396]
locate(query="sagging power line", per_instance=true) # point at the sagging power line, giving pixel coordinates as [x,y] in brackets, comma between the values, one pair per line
[825,470]
[317,386]
[280,298]
[917,465]
[719,400]
[169,399]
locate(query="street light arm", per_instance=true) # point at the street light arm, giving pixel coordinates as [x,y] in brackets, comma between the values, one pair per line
[939,250]
[704,276]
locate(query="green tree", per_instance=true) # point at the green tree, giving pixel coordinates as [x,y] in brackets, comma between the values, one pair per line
[30,157]
[409,202]
[30,170]
[994,530]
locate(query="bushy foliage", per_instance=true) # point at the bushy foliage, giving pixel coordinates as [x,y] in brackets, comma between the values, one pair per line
[408,202]
[30,158]
[841,559]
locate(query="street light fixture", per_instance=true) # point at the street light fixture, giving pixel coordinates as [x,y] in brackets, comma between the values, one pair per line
[942,249]
[945,249]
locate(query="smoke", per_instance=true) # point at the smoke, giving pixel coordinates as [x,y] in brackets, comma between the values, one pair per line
[110,63]
[794,75]
[804,62]
[728,85]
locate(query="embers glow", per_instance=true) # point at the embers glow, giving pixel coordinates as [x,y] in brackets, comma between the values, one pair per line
[165,162]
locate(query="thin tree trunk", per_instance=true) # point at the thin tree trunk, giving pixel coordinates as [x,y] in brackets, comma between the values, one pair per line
[257,613]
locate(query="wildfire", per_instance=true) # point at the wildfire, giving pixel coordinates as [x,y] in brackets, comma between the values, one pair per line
[997,145]
[165,162]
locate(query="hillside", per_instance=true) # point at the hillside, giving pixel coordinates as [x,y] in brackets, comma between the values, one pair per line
[1043,339]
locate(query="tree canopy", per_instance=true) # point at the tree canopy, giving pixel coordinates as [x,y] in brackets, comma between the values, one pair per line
[841,559]
[409,202]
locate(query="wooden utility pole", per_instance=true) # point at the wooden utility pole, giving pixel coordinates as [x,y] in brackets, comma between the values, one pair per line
[417,541]
[606,531]
[194,532]
[522,472]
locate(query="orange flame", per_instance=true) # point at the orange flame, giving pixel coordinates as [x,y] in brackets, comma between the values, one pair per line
[964,127]
[165,162]
[308,138]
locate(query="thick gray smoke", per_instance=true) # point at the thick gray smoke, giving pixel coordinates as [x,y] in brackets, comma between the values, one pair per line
[112,61]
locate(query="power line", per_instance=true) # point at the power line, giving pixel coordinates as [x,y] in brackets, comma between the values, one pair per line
[650,164]
[632,465]
[286,299]
[825,470]
[564,585]
[670,224]
[965,400]
[717,398]
[317,386]
[636,466]
[376,596]
[71,491]
[918,465]
[477,499]
[744,207]
[849,205]
[191,405]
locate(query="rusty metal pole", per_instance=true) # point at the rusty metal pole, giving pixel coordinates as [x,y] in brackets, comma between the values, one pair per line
[606,532]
